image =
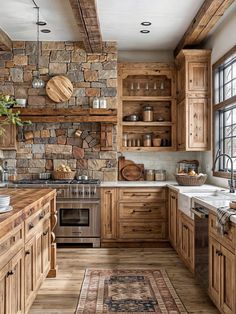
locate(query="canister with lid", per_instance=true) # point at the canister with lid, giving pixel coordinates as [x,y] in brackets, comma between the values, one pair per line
[147,140]
[160,175]
[149,175]
[148,114]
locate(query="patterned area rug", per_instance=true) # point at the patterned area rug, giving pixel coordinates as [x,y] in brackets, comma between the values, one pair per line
[128,291]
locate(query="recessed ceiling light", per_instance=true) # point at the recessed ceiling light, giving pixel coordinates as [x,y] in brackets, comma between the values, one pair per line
[41,23]
[146,23]
[144,31]
[45,30]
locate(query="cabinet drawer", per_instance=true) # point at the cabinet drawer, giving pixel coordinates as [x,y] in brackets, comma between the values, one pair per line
[143,210]
[142,230]
[35,220]
[226,239]
[11,243]
[143,195]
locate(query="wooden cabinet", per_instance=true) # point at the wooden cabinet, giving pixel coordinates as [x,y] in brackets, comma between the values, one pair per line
[108,214]
[147,84]
[222,267]
[193,100]
[222,288]
[130,215]
[12,286]
[173,203]
[186,238]
[8,139]
[142,214]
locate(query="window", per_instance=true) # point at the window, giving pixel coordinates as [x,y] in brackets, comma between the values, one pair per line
[224,110]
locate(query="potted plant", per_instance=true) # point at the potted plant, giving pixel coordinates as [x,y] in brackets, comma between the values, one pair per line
[7,116]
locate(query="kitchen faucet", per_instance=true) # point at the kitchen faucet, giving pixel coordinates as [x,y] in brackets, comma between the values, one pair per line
[231,181]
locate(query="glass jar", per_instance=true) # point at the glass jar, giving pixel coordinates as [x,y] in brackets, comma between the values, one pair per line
[148,114]
[103,103]
[149,175]
[147,140]
[12,174]
[96,102]
[160,175]
[125,139]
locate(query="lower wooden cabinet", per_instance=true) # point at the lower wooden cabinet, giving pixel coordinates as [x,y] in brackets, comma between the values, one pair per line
[173,205]
[12,286]
[134,215]
[108,214]
[186,237]
[222,264]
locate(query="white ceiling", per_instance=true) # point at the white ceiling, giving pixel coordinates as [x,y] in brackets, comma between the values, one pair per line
[120,21]
[18,19]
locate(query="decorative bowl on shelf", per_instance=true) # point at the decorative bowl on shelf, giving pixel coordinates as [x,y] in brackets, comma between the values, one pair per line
[185,179]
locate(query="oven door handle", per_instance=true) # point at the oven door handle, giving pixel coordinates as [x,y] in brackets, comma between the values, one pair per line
[198,213]
[79,201]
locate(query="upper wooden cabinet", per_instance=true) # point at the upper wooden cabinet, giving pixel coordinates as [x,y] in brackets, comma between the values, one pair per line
[141,85]
[8,139]
[194,100]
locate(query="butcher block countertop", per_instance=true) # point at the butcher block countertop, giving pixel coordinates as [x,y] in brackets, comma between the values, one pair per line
[24,202]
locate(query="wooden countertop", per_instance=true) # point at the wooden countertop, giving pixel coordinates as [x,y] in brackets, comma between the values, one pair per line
[22,200]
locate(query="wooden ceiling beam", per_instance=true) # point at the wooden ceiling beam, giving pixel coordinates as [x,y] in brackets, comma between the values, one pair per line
[5,41]
[206,18]
[85,13]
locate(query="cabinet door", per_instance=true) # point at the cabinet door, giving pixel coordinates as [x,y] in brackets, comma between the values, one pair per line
[181,125]
[198,76]
[5,290]
[173,199]
[214,270]
[17,284]
[227,289]
[30,273]
[181,81]
[46,247]
[38,259]
[188,240]
[198,123]
[8,139]
[108,213]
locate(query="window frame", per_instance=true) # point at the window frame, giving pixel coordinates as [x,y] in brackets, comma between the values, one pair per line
[217,107]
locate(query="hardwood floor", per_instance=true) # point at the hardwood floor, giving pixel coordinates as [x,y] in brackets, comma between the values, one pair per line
[60,295]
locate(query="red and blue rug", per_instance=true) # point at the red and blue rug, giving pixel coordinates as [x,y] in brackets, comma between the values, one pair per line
[127,291]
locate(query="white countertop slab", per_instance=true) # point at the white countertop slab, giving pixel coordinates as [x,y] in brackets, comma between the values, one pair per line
[137,183]
[213,203]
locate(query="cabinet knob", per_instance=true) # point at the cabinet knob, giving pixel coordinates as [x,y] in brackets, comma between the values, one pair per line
[31,225]
[45,232]
[10,273]
[41,216]
[27,252]
[190,81]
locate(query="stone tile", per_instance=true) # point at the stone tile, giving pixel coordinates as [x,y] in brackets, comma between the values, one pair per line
[38,148]
[58,149]
[16,74]
[92,92]
[96,164]
[61,139]
[78,152]
[30,47]
[110,175]
[91,76]
[37,163]
[60,56]
[36,100]
[109,92]
[57,68]
[107,74]
[20,60]
[53,45]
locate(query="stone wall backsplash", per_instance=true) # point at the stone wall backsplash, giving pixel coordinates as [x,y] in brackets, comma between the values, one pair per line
[42,147]
[91,74]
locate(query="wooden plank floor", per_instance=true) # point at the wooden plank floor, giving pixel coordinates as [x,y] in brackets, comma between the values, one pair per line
[60,295]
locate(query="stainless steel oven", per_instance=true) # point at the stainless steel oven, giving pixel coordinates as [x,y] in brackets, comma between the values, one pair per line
[78,221]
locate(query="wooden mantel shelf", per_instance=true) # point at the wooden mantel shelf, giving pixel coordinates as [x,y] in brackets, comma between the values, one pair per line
[68,115]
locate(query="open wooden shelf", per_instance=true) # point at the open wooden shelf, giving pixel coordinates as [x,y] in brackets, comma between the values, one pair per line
[149,149]
[68,115]
[142,123]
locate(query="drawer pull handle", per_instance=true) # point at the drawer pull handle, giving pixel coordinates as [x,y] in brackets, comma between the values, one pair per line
[41,216]
[173,197]
[186,227]
[31,225]
[226,233]
[136,194]
[45,233]
[10,273]
[141,230]
[27,252]
[141,211]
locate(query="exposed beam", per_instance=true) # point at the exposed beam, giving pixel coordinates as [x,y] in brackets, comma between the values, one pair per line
[5,41]
[85,12]
[207,16]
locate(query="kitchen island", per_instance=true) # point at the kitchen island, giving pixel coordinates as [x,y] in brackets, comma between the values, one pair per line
[27,248]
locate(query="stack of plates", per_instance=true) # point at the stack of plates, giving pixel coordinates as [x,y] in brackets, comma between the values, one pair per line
[4,203]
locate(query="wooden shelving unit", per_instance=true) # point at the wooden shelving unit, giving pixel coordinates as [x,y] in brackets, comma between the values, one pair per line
[139,85]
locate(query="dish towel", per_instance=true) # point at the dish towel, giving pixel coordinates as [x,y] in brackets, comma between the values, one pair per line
[223,219]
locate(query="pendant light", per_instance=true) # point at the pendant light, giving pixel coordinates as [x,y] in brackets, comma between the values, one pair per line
[37,81]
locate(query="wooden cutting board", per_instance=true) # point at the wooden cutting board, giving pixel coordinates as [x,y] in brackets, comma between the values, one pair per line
[59,88]
[131,172]
[123,163]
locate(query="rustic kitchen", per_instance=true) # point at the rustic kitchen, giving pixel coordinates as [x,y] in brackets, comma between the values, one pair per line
[117,156]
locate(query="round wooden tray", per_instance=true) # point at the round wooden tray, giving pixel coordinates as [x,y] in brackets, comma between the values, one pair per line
[59,88]
[131,172]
